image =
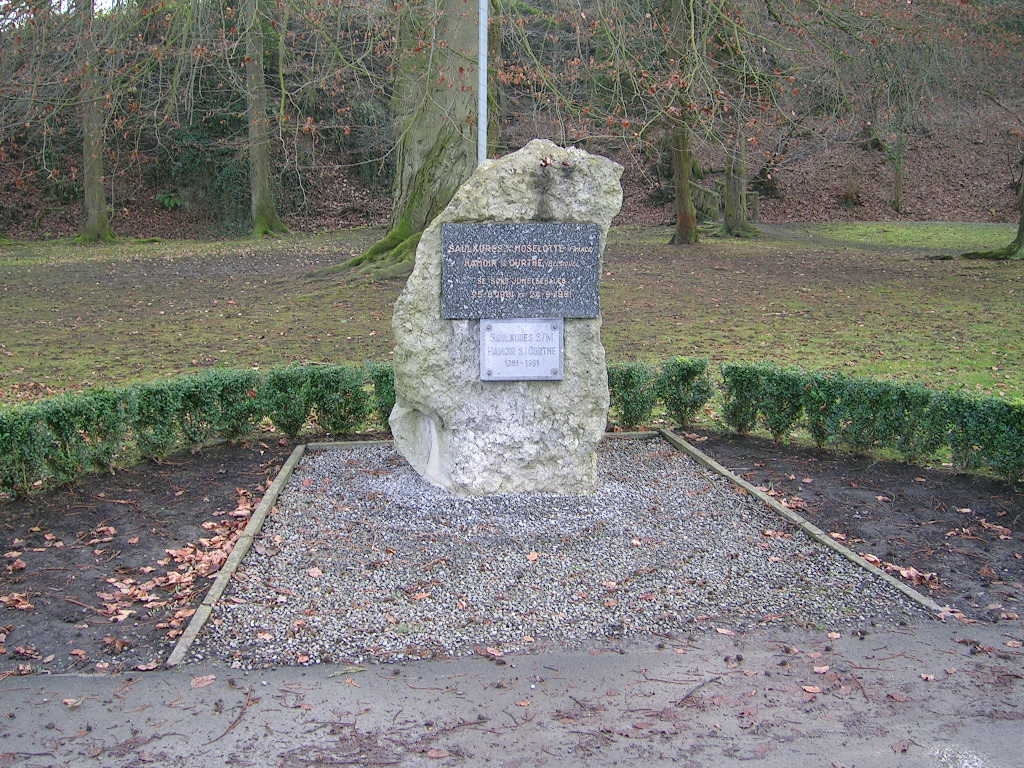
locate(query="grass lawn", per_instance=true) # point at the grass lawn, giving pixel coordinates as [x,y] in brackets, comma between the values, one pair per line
[863,298]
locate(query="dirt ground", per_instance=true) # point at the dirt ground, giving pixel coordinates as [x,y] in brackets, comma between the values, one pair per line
[103,576]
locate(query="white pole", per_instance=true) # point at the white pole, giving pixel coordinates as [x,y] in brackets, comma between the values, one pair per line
[481,86]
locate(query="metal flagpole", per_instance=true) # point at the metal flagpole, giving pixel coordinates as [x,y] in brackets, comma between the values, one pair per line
[481,87]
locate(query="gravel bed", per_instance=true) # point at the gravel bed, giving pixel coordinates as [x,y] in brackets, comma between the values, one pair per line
[363,560]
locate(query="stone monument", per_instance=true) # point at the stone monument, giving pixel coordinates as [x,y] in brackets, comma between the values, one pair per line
[500,375]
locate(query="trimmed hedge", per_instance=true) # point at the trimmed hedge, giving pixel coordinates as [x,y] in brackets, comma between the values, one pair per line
[59,439]
[632,391]
[865,414]
[338,398]
[382,377]
[684,387]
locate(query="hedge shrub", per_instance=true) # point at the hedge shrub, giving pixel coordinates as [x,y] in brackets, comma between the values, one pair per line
[338,398]
[382,376]
[59,439]
[633,391]
[741,395]
[285,398]
[684,387]
[155,421]
[23,442]
[86,431]
[985,432]
[821,393]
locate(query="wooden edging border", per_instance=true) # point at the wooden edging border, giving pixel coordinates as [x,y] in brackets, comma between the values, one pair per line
[803,524]
[240,550]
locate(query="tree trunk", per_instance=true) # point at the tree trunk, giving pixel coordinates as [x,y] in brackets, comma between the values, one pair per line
[434,105]
[265,220]
[682,171]
[97,220]
[1016,248]
[735,186]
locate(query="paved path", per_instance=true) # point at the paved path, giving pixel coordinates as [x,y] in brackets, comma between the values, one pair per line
[931,695]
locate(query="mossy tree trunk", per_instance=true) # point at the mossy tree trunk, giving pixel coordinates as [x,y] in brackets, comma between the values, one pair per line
[682,172]
[434,105]
[684,46]
[265,220]
[97,219]
[734,204]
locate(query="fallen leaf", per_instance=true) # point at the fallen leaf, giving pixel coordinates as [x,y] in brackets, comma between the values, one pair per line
[1013,644]
[72,703]
[420,596]
[437,754]
[899,697]
[822,669]
[837,536]
[927,677]
[146,667]
[811,688]
[315,573]
[17,601]
[133,540]
[352,683]
[1001,530]
[523,703]
[532,557]
[78,654]
[724,631]
[833,635]
[201,681]
[900,746]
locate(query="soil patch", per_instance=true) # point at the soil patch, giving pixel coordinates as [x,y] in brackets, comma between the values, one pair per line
[104,575]
[108,535]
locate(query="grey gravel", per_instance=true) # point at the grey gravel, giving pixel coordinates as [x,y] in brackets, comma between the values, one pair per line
[362,560]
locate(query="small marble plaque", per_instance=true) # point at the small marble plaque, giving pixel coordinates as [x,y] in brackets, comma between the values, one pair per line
[526,269]
[521,349]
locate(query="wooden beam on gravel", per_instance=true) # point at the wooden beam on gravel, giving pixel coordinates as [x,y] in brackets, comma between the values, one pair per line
[800,522]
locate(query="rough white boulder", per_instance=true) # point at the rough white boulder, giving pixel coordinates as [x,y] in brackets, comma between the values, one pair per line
[472,437]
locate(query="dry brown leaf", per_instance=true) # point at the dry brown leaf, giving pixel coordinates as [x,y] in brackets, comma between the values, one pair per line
[315,573]
[724,631]
[822,669]
[811,689]
[532,557]
[437,754]
[201,681]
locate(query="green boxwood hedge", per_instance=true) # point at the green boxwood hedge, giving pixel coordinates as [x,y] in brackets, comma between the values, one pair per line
[59,439]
